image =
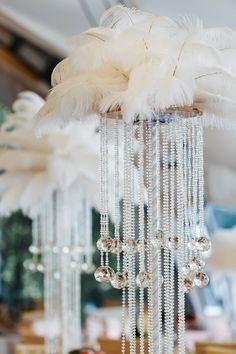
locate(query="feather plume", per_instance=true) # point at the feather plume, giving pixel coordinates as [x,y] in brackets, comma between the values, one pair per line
[140,63]
[67,161]
[120,17]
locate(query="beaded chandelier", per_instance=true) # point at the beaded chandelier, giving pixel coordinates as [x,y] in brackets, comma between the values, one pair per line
[38,179]
[154,83]
[166,234]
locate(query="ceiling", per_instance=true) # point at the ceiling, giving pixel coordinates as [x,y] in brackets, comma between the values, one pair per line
[53,21]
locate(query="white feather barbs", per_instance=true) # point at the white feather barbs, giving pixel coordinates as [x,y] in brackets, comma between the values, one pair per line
[140,64]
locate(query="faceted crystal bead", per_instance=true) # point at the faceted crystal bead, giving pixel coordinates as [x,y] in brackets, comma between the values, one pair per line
[192,244]
[104,244]
[104,274]
[147,245]
[116,246]
[201,280]
[188,284]
[173,243]
[158,241]
[203,244]
[119,280]
[143,280]
[196,264]
[186,270]
[130,247]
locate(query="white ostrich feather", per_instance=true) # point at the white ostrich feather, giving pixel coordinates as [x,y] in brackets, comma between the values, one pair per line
[68,161]
[120,17]
[139,64]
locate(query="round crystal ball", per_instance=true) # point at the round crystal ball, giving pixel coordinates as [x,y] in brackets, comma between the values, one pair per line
[119,280]
[65,249]
[57,275]
[145,244]
[188,284]
[196,264]
[104,244]
[201,280]
[143,280]
[158,241]
[130,247]
[34,249]
[203,244]
[173,243]
[87,268]
[186,269]
[55,249]
[40,268]
[104,274]
[116,246]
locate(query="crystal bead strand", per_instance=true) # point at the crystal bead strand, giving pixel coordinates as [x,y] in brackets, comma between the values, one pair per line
[141,231]
[200,178]
[149,233]
[189,176]
[154,251]
[125,256]
[106,189]
[180,232]
[159,249]
[65,315]
[102,183]
[166,208]
[173,239]
[88,234]
[129,250]
[117,245]
[195,182]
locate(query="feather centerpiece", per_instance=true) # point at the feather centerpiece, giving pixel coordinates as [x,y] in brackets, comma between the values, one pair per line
[150,73]
[139,64]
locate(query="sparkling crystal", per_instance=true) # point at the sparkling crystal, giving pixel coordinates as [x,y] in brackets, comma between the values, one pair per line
[173,243]
[55,249]
[65,249]
[143,279]
[158,241]
[201,280]
[119,280]
[196,264]
[87,268]
[130,247]
[40,268]
[104,274]
[203,244]
[116,246]
[147,245]
[73,264]
[186,269]
[34,249]
[104,244]
[57,275]
[188,284]
[192,244]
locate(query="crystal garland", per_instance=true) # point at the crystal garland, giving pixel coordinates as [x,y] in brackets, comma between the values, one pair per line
[168,154]
[62,249]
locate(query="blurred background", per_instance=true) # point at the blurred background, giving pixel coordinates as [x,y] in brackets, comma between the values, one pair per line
[33,38]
